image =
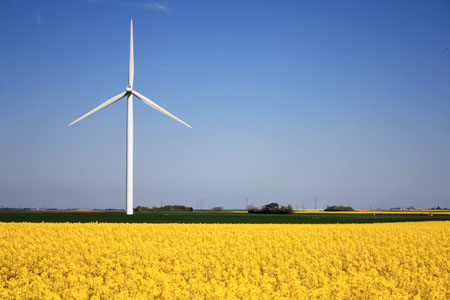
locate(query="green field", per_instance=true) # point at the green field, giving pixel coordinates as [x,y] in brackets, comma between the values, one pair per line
[212,217]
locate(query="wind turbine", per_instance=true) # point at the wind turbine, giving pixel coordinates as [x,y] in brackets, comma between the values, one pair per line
[129,92]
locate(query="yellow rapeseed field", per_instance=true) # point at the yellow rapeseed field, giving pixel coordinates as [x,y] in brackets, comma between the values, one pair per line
[225,261]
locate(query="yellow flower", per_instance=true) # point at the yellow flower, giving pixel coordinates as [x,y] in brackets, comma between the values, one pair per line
[224,261]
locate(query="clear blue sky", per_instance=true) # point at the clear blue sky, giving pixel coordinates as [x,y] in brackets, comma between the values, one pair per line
[346,101]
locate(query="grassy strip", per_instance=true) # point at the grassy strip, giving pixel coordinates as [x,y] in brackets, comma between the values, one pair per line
[220,217]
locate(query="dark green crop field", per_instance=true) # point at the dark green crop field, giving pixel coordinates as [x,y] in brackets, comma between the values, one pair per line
[212,217]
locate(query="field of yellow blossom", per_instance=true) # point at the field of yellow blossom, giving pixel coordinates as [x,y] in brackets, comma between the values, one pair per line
[225,261]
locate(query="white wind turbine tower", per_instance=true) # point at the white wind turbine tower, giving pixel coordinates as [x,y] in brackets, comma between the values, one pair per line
[129,92]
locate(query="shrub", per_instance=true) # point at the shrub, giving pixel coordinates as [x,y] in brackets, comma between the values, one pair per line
[339,208]
[271,208]
[163,208]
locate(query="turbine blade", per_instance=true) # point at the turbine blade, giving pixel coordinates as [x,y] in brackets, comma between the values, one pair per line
[103,105]
[159,108]
[131,67]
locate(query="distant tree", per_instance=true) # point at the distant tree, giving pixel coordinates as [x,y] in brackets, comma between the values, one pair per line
[339,208]
[141,209]
[217,208]
[439,208]
[163,208]
[176,208]
[271,208]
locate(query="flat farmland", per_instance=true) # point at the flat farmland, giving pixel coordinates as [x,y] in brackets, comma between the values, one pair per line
[226,217]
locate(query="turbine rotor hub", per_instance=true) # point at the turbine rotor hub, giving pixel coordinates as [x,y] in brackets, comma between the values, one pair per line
[129,89]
